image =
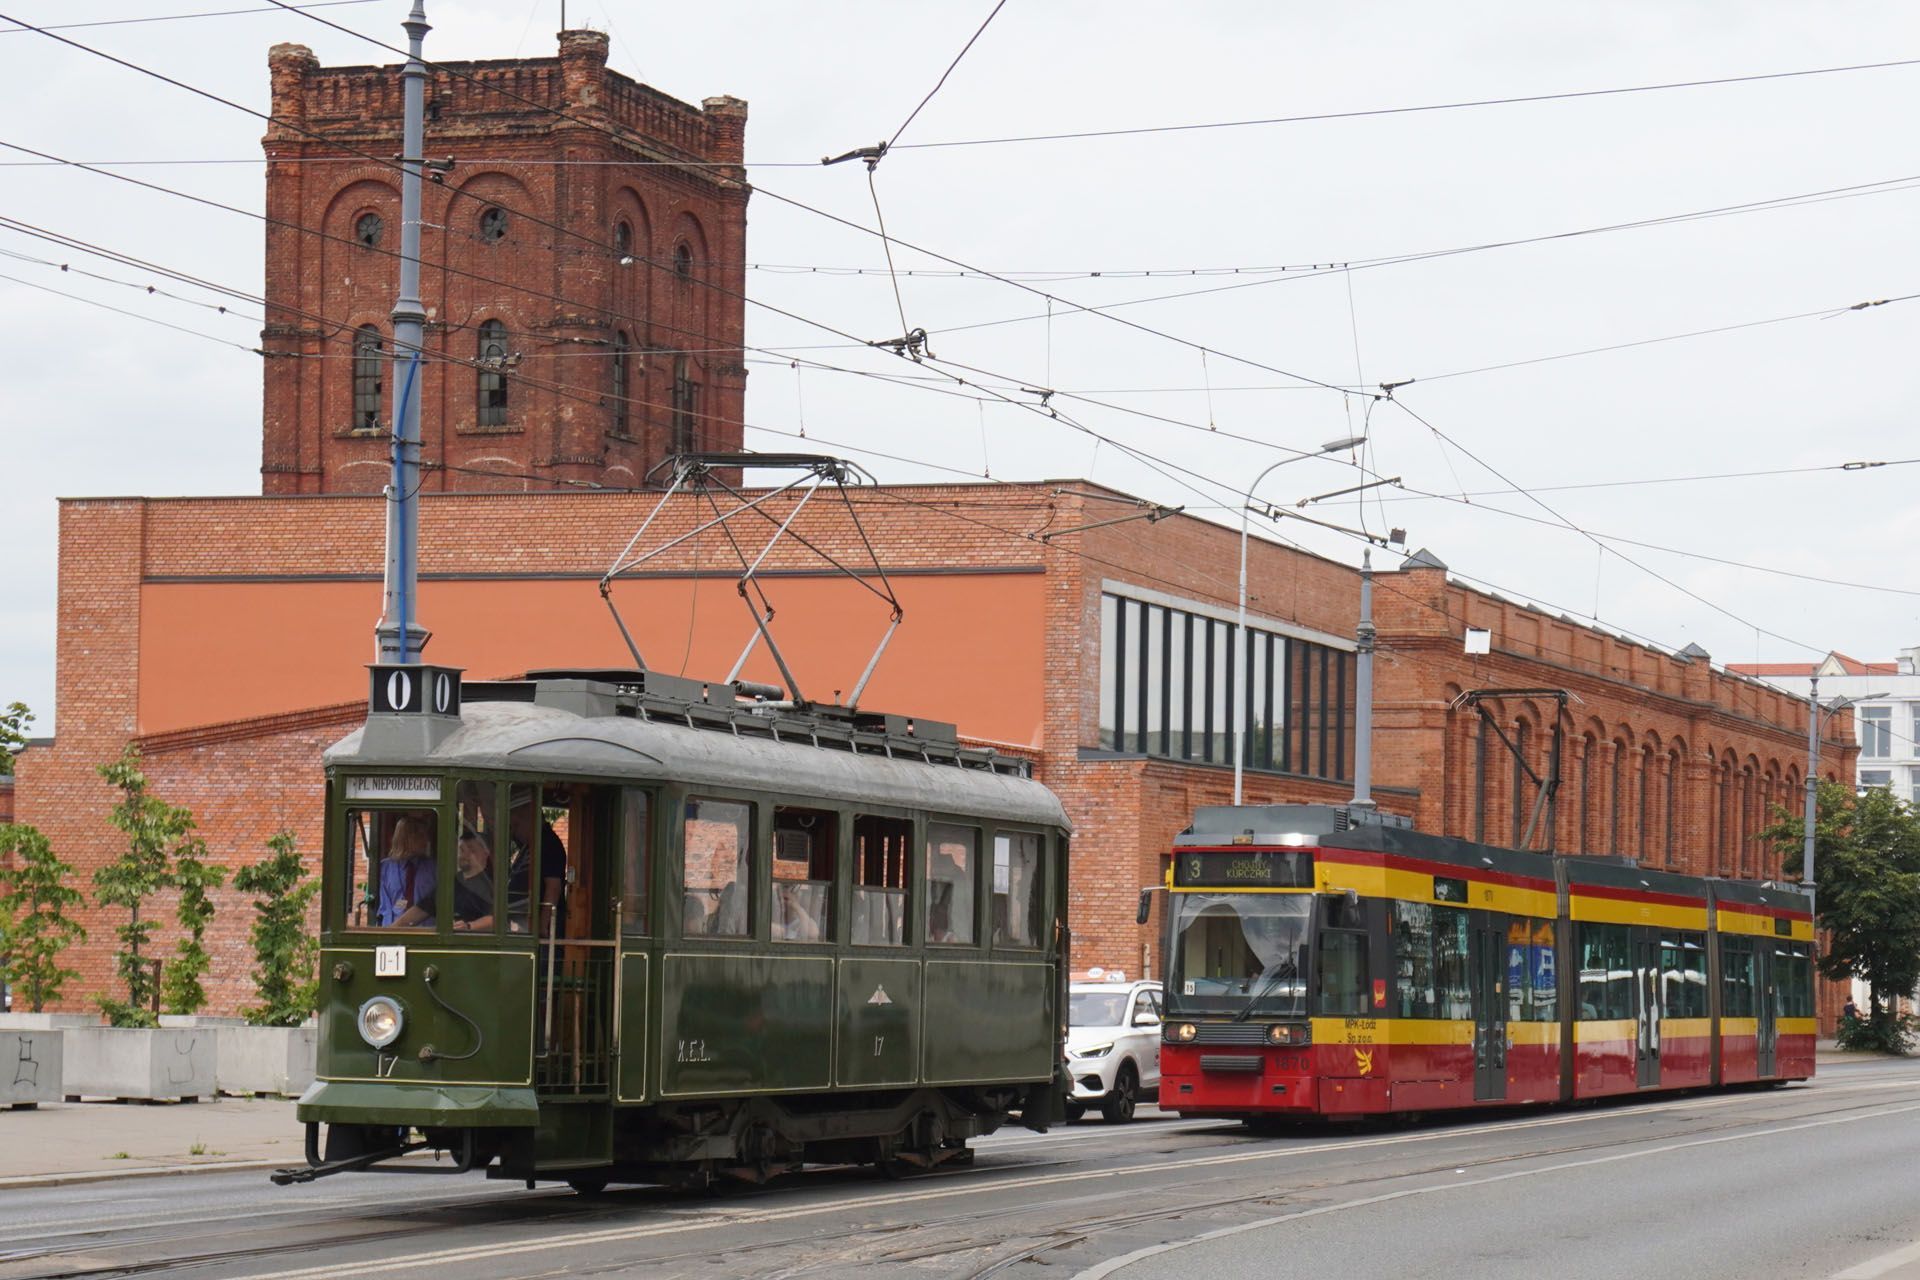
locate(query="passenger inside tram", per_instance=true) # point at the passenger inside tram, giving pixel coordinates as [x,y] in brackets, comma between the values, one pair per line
[473,890]
[521,867]
[407,877]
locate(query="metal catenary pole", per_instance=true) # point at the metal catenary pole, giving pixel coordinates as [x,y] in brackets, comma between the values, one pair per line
[1363,690]
[1813,791]
[399,637]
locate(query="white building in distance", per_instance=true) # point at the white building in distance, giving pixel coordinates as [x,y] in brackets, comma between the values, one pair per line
[1886,714]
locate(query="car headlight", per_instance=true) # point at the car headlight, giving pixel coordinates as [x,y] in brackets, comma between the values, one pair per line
[1183,1033]
[380,1021]
[1094,1051]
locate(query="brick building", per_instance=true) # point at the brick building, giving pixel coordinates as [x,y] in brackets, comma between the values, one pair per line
[1101,655]
[582,261]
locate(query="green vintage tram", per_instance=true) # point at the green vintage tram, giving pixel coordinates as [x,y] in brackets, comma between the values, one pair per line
[602,926]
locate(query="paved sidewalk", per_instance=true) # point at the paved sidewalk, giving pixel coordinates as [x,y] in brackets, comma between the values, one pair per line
[80,1141]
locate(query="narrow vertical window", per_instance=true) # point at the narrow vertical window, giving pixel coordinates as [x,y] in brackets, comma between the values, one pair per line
[492,355]
[683,262]
[686,408]
[369,362]
[619,385]
[623,241]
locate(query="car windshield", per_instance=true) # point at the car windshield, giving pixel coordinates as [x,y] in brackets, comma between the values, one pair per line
[1096,1008]
[1240,951]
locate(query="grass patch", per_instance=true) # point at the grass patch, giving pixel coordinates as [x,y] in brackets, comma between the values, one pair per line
[197,1149]
[119,1155]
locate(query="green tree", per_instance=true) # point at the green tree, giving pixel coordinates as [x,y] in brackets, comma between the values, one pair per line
[151,827]
[285,972]
[1866,863]
[13,734]
[34,927]
[180,989]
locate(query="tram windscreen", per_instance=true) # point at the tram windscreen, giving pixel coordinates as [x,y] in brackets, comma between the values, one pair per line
[1235,951]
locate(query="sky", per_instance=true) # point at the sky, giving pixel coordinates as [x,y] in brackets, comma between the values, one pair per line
[1714,237]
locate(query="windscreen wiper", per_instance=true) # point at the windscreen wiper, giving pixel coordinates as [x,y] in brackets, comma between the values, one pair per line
[1288,970]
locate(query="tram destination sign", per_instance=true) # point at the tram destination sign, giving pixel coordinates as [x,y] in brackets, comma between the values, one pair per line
[393,786]
[1242,869]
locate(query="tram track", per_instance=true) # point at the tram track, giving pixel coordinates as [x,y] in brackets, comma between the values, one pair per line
[608,1220]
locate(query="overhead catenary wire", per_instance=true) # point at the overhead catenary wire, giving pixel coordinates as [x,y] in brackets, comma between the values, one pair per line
[1461,105]
[177,17]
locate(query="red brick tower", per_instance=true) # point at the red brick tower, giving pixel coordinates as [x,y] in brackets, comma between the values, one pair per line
[583,353]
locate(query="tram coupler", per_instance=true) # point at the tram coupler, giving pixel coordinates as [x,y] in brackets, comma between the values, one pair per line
[366,1160]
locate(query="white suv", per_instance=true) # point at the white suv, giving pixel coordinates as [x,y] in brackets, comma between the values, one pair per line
[1113,1047]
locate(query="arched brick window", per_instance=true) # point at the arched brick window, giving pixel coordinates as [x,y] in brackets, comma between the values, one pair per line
[683,262]
[368,228]
[619,382]
[491,385]
[1616,795]
[369,363]
[623,240]
[1673,805]
[493,224]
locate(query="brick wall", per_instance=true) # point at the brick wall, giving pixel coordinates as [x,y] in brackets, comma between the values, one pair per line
[557,279]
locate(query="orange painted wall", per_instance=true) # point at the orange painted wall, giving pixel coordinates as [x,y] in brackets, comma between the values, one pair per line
[970,650]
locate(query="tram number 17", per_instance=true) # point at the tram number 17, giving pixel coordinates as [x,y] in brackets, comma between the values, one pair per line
[879,1043]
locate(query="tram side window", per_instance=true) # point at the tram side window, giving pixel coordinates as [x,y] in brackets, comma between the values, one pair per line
[537,859]
[1414,995]
[475,855]
[1016,889]
[1683,976]
[804,844]
[879,908]
[1543,973]
[718,837]
[636,858]
[1450,970]
[953,865]
[1736,978]
[393,878]
[1792,981]
[1342,980]
[1606,974]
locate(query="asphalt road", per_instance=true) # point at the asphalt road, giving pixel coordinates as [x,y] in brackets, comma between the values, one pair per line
[1815,1181]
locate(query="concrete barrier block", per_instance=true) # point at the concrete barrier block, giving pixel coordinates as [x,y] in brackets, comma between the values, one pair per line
[135,1062]
[30,1067]
[46,1021]
[265,1059]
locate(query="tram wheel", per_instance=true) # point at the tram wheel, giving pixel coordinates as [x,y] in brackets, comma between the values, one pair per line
[1118,1108]
[1076,1111]
[588,1184]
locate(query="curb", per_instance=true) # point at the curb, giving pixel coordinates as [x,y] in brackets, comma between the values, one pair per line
[158,1171]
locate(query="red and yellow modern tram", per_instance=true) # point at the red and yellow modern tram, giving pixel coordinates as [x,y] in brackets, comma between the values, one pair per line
[1323,961]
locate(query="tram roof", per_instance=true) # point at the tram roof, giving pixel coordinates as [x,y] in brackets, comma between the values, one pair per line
[534,738]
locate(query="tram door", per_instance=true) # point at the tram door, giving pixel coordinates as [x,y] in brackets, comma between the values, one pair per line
[1646,1004]
[570,905]
[1766,988]
[1487,963]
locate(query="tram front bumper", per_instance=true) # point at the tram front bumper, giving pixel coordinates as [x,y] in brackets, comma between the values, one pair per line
[420,1106]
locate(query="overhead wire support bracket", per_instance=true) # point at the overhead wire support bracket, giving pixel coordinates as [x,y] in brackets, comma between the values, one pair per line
[1153,515]
[914,344]
[872,155]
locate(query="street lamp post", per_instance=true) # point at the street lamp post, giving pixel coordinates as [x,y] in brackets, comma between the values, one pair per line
[1240,629]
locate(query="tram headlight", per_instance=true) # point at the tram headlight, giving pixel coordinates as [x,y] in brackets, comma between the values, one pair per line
[380,1021]
[1286,1033]
[1184,1032]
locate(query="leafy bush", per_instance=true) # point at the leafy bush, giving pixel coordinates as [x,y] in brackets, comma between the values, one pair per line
[162,853]
[1881,1032]
[285,955]
[34,928]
